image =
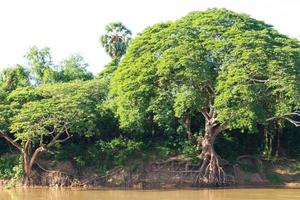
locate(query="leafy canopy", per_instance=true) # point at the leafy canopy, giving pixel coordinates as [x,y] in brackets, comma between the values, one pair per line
[240,67]
[74,68]
[58,109]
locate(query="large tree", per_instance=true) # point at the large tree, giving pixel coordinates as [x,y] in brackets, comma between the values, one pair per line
[116,39]
[234,71]
[36,119]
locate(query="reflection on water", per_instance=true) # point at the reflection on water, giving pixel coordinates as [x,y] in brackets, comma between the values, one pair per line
[205,194]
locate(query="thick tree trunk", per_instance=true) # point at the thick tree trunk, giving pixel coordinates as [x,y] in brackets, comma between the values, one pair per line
[27,170]
[29,175]
[211,172]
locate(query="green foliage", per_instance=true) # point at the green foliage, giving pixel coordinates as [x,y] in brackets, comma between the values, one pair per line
[101,154]
[295,167]
[69,107]
[14,77]
[116,39]
[118,149]
[40,62]
[274,178]
[241,67]
[40,118]
[74,68]
[215,58]
[161,150]
[10,167]
[190,151]
[109,69]
[44,71]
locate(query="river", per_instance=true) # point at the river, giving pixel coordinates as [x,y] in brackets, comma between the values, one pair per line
[201,194]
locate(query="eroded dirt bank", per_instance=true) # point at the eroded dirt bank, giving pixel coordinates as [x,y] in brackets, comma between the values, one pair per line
[174,172]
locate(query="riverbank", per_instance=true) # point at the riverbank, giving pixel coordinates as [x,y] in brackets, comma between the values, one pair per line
[173,172]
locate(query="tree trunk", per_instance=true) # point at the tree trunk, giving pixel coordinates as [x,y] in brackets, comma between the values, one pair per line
[211,172]
[268,143]
[279,133]
[27,170]
[29,175]
[187,125]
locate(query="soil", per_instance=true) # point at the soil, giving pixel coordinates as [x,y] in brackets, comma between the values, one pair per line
[174,172]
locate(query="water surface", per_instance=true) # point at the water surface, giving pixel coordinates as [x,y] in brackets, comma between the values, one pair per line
[201,194]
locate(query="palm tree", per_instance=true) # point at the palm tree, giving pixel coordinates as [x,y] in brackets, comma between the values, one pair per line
[116,39]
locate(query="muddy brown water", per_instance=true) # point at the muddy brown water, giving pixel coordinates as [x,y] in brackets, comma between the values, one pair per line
[201,194]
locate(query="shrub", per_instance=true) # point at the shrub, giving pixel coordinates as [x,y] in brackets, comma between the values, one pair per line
[10,166]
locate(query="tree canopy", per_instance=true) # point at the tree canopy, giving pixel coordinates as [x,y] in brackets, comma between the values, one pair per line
[241,67]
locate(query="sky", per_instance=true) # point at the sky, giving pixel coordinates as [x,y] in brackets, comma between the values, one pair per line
[74,26]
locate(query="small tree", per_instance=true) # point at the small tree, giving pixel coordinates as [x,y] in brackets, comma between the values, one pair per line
[74,68]
[40,118]
[234,71]
[40,62]
[13,77]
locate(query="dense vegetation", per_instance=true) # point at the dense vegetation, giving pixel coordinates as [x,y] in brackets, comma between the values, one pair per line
[211,84]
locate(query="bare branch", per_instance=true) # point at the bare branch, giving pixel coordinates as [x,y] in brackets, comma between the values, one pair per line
[63,140]
[258,80]
[204,113]
[287,117]
[68,134]
[221,127]
[56,138]
[11,141]
[296,123]
[41,140]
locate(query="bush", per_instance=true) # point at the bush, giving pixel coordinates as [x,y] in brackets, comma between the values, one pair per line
[190,151]
[117,150]
[11,166]
[104,154]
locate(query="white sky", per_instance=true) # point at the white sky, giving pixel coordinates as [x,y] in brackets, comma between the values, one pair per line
[74,26]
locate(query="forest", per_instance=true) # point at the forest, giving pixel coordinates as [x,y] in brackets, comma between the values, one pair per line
[202,91]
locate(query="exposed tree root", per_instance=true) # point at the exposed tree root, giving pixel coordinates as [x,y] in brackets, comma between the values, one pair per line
[211,173]
[207,173]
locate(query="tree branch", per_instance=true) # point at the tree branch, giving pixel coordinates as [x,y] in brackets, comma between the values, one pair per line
[221,127]
[287,117]
[36,153]
[56,138]
[11,141]
[204,113]
[258,80]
